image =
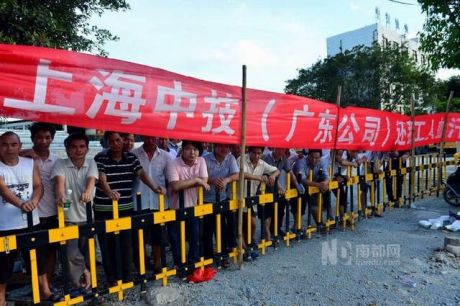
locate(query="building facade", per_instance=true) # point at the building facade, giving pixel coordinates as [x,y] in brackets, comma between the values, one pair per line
[374,33]
[385,37]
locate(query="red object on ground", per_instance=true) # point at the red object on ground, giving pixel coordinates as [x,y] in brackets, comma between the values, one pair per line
[202,275]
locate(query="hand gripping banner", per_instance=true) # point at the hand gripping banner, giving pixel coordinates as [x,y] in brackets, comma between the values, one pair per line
[89,91]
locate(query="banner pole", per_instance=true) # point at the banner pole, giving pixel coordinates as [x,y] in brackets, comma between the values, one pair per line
[412,151]
[442,144]
[339,95]
[241,177]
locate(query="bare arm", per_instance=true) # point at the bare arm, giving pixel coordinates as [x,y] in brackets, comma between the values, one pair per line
[273,176]
[185,184]
[294,180]
[345,162]
[252,177]
[37,194]
[29,153]
[87,195]
[59,187]
[149,182]
[8,196]
[114,195]
[38,187]
[221,182]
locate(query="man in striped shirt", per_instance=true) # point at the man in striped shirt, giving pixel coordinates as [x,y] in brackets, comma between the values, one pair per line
[117,171]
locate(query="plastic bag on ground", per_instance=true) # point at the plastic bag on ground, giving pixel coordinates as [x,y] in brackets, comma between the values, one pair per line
[440,219]
[202,275]
[424,223]
[454,227]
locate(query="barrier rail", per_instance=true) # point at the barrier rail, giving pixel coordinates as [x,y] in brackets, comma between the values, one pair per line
[380,198]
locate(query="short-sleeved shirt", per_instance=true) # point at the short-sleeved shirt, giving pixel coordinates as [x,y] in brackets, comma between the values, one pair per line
[320,170]
[284,165]
[75,179]
[171,152]
[393,157]
[337,168]
[281,164]
[218,169]
[370,157]
[260,169]
[47,204]
[156,169]
[178,170]
[120,176]
[19,180]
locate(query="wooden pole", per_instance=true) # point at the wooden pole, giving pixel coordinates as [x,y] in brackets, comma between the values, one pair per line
[442,144]
[412,151]
[241,178]
[339,96]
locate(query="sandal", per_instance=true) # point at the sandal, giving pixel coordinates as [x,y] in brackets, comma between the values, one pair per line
[52,298]
[55,290]
[78,292]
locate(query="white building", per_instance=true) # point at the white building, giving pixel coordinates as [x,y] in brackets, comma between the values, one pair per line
[376,33]
[371,34]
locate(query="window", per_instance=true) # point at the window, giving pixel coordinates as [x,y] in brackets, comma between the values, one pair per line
[385,42]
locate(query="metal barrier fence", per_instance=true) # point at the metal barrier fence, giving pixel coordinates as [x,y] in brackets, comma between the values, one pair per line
[422,184]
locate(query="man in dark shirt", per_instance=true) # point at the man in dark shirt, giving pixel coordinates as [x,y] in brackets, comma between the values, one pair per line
[117,171]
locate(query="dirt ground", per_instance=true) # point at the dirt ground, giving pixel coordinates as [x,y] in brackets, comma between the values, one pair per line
[384,261]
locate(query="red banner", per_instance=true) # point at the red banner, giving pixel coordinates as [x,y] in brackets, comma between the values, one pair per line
[83,90]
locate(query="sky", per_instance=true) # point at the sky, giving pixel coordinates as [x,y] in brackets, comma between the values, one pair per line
[211,40]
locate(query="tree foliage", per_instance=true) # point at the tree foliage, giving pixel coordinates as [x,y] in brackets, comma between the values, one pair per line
[372,77]
[440,38]
[444,89]
[57,23]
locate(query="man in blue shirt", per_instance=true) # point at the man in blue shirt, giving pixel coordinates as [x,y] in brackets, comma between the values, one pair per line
[320,179]
[222,171]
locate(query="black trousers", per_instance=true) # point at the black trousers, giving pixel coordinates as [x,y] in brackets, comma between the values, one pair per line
[342,191]
[228,237]
[108,243]
[152,235]
[389,187]
[282,203]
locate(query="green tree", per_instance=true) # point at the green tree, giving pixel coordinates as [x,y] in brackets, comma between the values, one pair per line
[57,24]
[444,88]
[440,38]
[373,77]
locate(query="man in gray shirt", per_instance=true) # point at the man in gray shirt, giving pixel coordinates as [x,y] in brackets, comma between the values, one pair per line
[279,158]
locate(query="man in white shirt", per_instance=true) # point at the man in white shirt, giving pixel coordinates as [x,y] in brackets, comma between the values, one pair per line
[258,171]
[20,192]
[154,161]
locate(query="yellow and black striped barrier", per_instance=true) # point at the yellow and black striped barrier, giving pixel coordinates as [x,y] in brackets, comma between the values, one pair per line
[380,179]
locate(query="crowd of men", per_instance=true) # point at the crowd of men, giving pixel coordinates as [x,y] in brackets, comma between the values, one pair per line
[34,182]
